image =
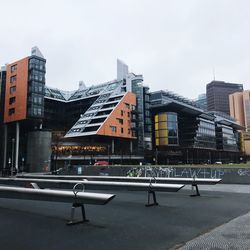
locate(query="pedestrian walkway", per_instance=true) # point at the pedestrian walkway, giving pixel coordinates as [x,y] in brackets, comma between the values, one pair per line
[231,188]
[232,235]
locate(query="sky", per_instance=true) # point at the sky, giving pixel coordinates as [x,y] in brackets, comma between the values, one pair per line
[178,45]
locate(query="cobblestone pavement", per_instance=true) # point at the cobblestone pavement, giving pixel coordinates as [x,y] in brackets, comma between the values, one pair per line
[232,235]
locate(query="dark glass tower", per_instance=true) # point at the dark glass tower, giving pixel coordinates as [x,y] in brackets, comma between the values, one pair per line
[218,95]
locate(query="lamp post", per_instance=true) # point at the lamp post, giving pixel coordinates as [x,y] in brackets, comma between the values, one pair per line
[9,162]
[22,164]
[12,156]
[156,156]
[108,154]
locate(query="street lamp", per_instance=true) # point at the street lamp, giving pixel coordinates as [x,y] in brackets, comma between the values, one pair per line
[9,162]
[22,164]
[12,156]
[109,154]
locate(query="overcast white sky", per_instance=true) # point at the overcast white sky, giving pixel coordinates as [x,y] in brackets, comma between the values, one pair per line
[174,44]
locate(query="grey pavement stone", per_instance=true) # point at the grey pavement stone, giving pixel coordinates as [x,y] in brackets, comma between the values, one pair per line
[232,235]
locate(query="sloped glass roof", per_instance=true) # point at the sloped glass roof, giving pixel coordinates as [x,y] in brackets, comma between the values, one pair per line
[81,93]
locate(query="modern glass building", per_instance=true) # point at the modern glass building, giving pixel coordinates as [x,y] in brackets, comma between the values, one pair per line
[118,121]
[45,127]
[184,133]
[201,101]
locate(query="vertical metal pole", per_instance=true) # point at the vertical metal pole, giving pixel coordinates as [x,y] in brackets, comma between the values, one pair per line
[17,145]
[109,154]
[156,156]
[12,155]
[113,146]
[5,146]
[22,165]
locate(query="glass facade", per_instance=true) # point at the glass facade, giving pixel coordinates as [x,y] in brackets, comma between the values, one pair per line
[226,138]
[166,129]
[205,134]
[142,116]
[36,90]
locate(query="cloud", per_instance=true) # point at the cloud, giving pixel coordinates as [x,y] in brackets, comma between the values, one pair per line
[174,44]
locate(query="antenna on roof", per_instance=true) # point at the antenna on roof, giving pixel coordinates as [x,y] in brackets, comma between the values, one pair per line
[214,73]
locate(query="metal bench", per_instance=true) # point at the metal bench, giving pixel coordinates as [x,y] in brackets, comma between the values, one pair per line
[77,197]
[149,187]
[194,182]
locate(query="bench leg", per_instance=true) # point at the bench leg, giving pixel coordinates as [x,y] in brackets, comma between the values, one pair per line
[197,190]
[155,203]
[74,206]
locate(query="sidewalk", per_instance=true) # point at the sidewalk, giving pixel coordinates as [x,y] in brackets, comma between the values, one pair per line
[232,235]
[228,188]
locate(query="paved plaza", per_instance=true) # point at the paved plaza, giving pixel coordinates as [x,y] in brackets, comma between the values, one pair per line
[219,219]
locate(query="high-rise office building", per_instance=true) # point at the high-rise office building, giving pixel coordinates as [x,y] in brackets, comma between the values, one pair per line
[240,110]
[218,95]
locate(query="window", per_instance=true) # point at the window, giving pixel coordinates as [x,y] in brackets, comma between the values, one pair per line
[13,79]
[120,120]
[12,89]
[127,105]
[11,111]
[129,131]
[121,112]
[13,68]
[12,100]
[122,130]
[113,128]
[128,114]
[40,100]
[39,111]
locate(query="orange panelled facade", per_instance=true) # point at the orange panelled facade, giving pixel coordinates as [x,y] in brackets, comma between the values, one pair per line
[16,91]
[118,124]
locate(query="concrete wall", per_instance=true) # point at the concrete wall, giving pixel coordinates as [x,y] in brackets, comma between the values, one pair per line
[39,151]
[228,175]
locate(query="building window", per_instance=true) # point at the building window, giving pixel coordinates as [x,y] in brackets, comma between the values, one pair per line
[121,112]
[12,100]
[166,129]
[11,111]
[120,120]
[113,128]
[127,105]
[39,111]
[128,114]
[13,79]
[13,68]
[12,89]
[129,131]
[122,130]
